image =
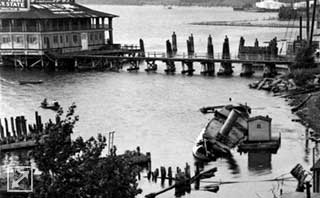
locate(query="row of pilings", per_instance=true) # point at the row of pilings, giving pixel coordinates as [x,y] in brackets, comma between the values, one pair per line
[208,67]
[16,129]
[181,181]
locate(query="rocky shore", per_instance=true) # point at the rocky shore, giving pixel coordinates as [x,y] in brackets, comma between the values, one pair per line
[303,97]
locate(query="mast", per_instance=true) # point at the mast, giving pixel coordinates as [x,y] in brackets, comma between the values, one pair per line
[312,22]
[308,19]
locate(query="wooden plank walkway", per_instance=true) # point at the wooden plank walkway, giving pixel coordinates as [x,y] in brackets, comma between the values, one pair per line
[156,56]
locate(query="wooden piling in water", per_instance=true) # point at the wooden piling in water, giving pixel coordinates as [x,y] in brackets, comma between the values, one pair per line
[226,67]
[191,39]
[155,175]
[197,181]
[174,43]
[7,127]
[189,64]
[1,131]
[209,67]
[187,176]
[141,43]
[18,126]
[163,174]
[12,127]
[170,64]
[170,175]
[24,126]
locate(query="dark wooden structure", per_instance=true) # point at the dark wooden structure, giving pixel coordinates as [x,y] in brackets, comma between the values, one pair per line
[33,36]
[316,176]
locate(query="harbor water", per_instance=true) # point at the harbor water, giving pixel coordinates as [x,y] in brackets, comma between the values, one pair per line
[159,112]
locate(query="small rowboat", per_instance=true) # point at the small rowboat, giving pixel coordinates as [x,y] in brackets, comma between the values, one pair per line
[23,82]
[53,106]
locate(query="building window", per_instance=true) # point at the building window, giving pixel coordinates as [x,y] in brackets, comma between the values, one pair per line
[55,39]
[6,39]
[258,126]
[91,37]
[61,39]
[100,36]
[75,38]
[96,37]
[67,39]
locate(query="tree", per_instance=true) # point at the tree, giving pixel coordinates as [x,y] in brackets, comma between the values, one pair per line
[75,168]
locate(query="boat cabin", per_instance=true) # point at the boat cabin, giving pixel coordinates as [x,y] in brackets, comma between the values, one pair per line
[259,128]
[35,27]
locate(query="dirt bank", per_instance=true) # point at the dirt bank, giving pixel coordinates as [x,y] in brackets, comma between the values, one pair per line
[309,112]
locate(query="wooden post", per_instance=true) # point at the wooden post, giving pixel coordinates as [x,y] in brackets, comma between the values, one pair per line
[24,126]
[18,125]
[170,175]
[197,182]
[163,174]
[189,47]
[174,43]
[148,154]
[191,43]
[12,127]
[188,176]
[142,48]
[149,175]
[7,127]
[1,130]
[308,187]
[256,43]
[169,48]
[170,64]
[155,175]
[210,65]
[226,66]
[37,121]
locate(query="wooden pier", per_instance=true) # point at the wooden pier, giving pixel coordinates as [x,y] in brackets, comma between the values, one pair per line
[114,57]
[247,56]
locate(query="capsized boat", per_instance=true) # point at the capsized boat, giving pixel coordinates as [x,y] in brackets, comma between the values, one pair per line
[222,133]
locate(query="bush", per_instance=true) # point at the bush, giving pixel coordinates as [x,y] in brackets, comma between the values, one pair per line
[75,169]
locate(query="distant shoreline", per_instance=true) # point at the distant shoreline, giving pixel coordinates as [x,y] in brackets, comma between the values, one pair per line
[233,3]
[247,24]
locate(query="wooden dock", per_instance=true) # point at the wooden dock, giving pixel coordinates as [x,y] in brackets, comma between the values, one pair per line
[115,57]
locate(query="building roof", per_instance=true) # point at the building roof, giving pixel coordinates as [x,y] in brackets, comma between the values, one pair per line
[54,11]
[265,118]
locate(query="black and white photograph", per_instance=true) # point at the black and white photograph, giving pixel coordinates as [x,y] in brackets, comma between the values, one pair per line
[159,98]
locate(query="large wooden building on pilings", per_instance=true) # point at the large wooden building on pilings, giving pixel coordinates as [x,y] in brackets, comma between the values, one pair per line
[34,32]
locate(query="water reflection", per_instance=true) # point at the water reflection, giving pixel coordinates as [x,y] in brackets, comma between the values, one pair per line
[259,161]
